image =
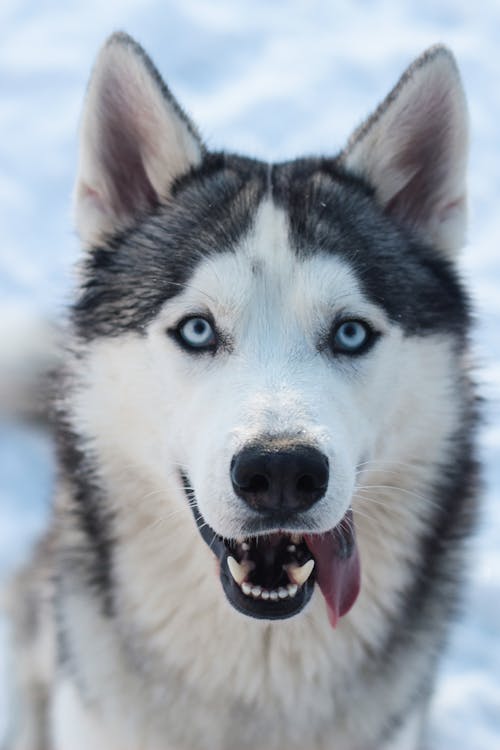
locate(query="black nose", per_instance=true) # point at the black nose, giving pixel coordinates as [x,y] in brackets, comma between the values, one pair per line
[292,479]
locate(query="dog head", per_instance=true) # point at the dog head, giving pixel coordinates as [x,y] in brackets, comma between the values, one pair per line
[256,334]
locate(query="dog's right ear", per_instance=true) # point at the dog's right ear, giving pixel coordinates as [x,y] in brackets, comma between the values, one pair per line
[135,142]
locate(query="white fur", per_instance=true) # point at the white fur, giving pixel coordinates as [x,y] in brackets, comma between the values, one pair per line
[29,349]
[146,407]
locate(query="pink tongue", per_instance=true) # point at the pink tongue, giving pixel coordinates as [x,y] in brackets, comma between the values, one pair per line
[337,567]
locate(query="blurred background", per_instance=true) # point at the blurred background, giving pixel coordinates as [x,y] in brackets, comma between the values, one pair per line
[274,80]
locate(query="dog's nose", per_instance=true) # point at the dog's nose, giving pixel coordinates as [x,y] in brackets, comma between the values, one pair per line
[286,480]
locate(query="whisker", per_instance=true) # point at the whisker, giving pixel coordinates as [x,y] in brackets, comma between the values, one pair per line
[394,488]
[391,462]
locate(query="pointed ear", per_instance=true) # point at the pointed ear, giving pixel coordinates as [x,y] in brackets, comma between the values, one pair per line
[135,141]
[413,151]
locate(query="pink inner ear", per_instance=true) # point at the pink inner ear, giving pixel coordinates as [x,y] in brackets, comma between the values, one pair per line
[135,140]
[119,149]
[427,155]
[413,151]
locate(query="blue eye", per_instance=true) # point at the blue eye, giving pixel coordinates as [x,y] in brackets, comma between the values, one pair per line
[197,333]
[351,337]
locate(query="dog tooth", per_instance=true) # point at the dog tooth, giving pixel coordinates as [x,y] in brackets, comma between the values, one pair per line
[239,571]
[291,548]
[256,591]
[245,546]
[274,595]
[246,588]
[282,593]
[265,594]
[292,589]
[300,574]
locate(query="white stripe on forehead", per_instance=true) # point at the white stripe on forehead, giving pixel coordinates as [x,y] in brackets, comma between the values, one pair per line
[267,243]
[264,274]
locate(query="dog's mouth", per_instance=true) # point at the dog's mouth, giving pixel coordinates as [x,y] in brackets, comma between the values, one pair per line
[272,576]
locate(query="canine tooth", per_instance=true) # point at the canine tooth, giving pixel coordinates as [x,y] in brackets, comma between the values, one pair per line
[264,594]
[274,595]
[291,548]
[239,571]
[256,591]
[236,570]
[245,546]
[246,588]
[292,589]
[282,593]
[300,574]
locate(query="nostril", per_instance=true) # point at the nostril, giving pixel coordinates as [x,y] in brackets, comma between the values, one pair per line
[246,477]
[306,483]
[257,483]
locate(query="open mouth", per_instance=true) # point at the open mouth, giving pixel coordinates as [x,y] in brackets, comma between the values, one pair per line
[272,576]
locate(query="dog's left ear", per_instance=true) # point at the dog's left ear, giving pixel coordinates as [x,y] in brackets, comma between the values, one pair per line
[135,142]
[413,151]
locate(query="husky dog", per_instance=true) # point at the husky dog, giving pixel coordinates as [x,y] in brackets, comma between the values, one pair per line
[265,434]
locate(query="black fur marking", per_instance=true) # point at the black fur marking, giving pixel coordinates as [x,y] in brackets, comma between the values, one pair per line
[128,279]
[434,594]
[95,556]
[330,211]
[335,213]
[455,519]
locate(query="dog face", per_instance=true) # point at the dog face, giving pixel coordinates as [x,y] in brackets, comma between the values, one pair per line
[251,331]
[267,362]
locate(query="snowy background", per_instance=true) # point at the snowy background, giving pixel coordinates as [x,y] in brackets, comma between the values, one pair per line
[274,79]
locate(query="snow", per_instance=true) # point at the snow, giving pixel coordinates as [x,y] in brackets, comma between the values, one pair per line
[274,79]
